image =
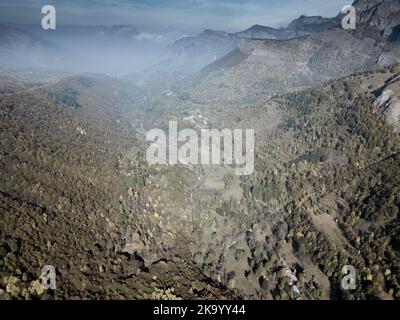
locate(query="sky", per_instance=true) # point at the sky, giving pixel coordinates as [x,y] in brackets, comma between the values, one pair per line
[188,16]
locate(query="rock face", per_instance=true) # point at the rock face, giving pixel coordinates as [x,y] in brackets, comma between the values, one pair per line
[389,105]
[388,102]
[382,14]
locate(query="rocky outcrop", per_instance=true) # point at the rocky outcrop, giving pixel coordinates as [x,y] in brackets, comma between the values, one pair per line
[382,14]
[388,102]
[310,24]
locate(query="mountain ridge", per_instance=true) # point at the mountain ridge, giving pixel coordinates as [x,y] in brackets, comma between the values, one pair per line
[270,65]
[211,45]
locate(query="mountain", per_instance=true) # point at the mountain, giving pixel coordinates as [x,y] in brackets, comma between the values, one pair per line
[83,48]
[256,67]
[383,15]
[15,42]
[190,54]
[186,55]
[77,193]
[9,33]
[193,53]
[262,32]
[70,196]
[312,24]
[14,79]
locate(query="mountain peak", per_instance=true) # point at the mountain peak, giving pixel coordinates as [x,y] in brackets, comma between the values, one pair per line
[208,32]
[312,23]
[258,26]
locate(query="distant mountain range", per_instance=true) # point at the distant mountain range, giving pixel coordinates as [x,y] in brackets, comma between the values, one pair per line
[266,66]
[190,54]
[108,49]
[127,49]
[123,49]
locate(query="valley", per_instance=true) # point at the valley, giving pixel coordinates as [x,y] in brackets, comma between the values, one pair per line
[76,191]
